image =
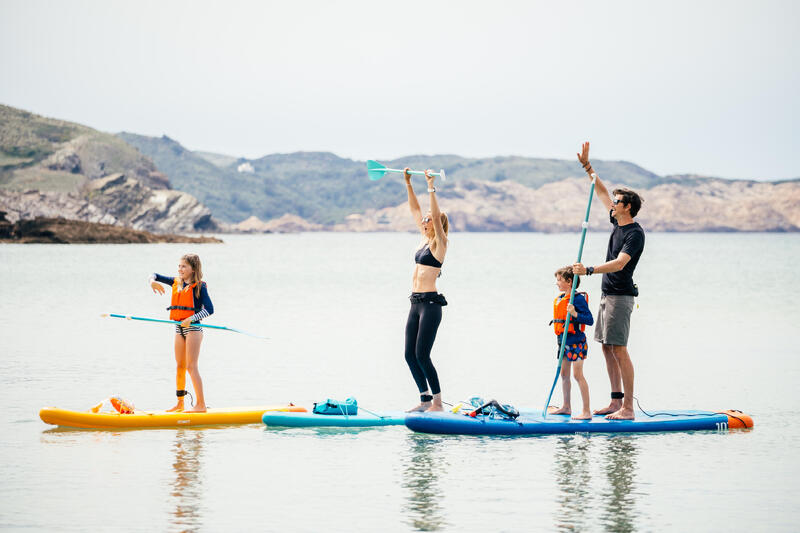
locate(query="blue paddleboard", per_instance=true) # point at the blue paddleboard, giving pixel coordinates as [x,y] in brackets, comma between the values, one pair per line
[361,420]
[533,424]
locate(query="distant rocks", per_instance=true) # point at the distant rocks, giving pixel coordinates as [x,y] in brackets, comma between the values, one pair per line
[66,160]
[114,199]
[140,207]
[285,224]
[722,205]
[44,230]
[704,205]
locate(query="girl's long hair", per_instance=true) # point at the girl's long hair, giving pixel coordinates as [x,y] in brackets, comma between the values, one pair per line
[193,260]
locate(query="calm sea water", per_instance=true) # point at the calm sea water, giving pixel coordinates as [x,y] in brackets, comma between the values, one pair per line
[715,328]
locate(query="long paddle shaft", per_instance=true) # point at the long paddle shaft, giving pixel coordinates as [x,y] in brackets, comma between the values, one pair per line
[129,317]
[376,171]
[585,226]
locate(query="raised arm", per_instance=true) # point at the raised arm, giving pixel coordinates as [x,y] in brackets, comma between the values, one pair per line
[436,214]
[413,203]
[599,186]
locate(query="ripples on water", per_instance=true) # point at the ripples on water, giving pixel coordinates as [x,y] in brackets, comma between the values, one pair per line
[699,341]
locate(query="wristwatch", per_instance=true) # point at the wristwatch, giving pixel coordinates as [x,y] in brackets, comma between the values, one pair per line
[589,271]
[432,189]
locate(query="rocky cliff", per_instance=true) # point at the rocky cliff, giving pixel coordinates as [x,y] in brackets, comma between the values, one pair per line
[709,205]
[703,205]
[53,168]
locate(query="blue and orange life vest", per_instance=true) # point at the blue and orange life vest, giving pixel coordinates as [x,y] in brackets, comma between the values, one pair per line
[182,303]
[560,315]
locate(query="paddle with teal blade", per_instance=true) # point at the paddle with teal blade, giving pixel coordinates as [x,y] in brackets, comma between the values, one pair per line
[376,171]
[197,324]
[585,227]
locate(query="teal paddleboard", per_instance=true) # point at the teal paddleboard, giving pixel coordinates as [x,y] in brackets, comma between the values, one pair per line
[309,420]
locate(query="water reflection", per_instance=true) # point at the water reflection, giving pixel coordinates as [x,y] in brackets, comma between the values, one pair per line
[573,476]
[619,462]
[187,486]
[425,461]
[580,497]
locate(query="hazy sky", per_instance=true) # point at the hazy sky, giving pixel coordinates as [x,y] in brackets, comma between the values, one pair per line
[674,86]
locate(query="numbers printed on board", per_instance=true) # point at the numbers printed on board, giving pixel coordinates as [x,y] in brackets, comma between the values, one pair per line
[722,426]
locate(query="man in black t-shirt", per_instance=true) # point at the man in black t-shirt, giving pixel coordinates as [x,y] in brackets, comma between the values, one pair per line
[612,327]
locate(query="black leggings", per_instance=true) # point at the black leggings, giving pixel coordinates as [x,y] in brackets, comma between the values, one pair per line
[423,322]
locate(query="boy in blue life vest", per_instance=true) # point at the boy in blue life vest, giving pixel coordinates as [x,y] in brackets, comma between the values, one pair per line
[576,348]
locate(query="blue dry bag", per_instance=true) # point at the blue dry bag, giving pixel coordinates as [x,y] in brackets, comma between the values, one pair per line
[335,407]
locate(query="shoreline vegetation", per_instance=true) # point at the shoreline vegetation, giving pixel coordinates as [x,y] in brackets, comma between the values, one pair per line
[53,169]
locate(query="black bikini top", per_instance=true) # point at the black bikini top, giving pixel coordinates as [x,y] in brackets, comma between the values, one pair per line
[424,256]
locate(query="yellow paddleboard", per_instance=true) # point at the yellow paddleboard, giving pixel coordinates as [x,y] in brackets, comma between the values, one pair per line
[159,419]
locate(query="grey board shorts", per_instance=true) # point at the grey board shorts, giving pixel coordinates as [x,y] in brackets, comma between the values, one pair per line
[613,319]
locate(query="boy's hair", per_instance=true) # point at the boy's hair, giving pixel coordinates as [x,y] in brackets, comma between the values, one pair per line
[566,274]
[630,198]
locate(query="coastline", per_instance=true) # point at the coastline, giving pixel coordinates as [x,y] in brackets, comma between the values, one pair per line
[43,230]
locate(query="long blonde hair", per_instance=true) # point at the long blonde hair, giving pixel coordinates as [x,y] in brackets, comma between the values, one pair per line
[445,222]
[193,260]
[445,226]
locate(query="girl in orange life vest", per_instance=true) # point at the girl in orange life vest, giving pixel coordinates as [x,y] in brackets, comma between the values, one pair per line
[575,349]
[190,303]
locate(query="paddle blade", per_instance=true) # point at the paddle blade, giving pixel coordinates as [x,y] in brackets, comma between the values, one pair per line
[375,170]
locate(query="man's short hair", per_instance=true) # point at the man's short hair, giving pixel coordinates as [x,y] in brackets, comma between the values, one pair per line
[630,198]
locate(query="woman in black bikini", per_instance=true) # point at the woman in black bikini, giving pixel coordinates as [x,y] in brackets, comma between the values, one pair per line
[426,303]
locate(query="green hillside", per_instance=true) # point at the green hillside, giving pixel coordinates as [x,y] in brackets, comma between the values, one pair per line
[320,187]
[324,188]
[26,138]
[27,141]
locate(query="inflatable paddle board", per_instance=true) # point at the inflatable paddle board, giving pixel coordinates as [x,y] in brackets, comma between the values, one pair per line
[159,419]
[361,420]
[533,424]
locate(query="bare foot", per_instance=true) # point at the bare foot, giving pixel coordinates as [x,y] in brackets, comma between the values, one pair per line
[613,407]
[435,407]
[197,409]
[554,410]
[586,415]
[178,407]
[623,414]
[423,406]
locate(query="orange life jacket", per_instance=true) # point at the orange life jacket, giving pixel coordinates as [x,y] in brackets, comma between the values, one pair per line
[182,304]
[560,314]
[123,407]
